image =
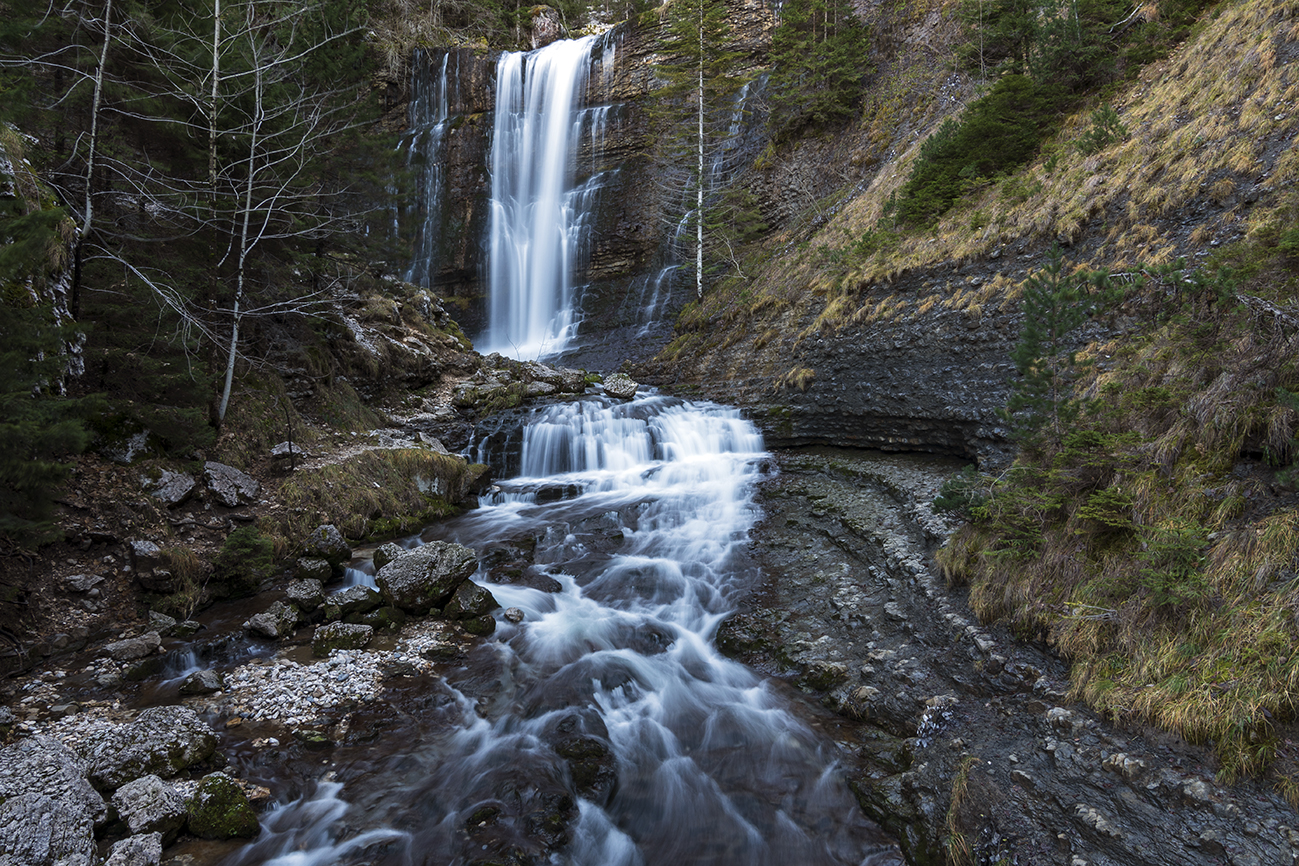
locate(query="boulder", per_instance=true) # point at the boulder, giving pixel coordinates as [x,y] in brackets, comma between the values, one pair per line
[229,486]
[150,805]
[143,850]
[620,386]
[83,582]
[145,555]
[285,450]
[188,628]
[134,647]
[426,577]
[277,621]
[469,601]
[386,553]
[171,488]
[327,543]
[479,625]
[201,683]
[354,599]
[161,740]
[388,617]
[44,766]
[305,594]
[340,635]
[314,568]
[39,830]
[219,809]
[161,623]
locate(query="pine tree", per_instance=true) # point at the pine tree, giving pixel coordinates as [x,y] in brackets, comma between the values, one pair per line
[818,64]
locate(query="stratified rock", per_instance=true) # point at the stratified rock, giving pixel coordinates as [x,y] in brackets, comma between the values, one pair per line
[306,594]
[44,766]
[468,601]
[229,486]
[161,740]
[150,805]
[314,568]
[425,577]
[354,599]
[134,647]
[39,830]
[386,553]
[143,850]
[340,635]
[277,621]
[219,809]
[620,386]
[327,543]
[201,683]
[171,488]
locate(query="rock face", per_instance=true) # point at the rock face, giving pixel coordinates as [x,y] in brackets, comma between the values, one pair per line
[162,741]
[229,486]
[425,578]
[219,809]
[150,805]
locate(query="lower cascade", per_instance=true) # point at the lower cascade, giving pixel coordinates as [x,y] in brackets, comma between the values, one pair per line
[603,727]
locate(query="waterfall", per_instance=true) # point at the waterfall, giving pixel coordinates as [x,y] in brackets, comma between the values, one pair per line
[540,217]
[430,107]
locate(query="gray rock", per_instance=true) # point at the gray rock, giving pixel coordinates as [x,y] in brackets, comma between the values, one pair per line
[150,805]
[386,553]
[39,830]
[285,450]
[158,580]
[43,765]
[161,740]
[306,594]
[469,601]
[313,568]
[188,628]
[171,488]
[83,582]
[277,621]
[514,614]
[231,487]
[219,809]
[161,623]
[201,683]
[134,647]
[340,635]
[354,599]
[128,450]
[620,386]
[145,555]
[143,850]
[426,577]
[327,543]
[572,381]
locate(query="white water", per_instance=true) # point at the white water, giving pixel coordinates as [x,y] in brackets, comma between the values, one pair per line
[430,108]
[539,216]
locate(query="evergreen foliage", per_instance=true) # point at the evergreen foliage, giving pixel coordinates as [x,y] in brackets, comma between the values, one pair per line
[818,64]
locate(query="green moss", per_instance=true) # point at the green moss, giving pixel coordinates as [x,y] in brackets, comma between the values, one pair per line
[219,809]
[247,558]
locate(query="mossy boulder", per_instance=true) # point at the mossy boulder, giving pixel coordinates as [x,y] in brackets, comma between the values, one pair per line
[469,601]
[219,809]
[353,600]
[426,577]
[327,543]
[340,635]
[386,553]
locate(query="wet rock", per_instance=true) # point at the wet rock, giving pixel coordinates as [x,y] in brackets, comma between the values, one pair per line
[469,601]
[134,648]
[354,599]
[305,594]
[39,830]
[388,617]
[229,486]
[314,568]
[188,628]
[44,766]
[327,543]
[312,738]
[340,635]
[386,553]
[143,850]
[201,683]
[161,740]
[482,626]
[425,578]
[83,582]
[150,805]
[514,615]
[219,809]
[620,386]
[171,488]
[277,621]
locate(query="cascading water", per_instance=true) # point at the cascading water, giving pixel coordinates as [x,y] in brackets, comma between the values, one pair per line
[539,217]
[626,578]
[432,83]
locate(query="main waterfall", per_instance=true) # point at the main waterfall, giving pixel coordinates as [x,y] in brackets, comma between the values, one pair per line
[539,216]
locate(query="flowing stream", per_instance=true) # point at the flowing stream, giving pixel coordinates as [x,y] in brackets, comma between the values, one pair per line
[606,711]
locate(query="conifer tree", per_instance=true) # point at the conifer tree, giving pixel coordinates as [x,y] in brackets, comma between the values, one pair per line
[818,63]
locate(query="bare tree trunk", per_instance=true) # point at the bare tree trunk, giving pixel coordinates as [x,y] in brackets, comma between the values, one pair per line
[88,212]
